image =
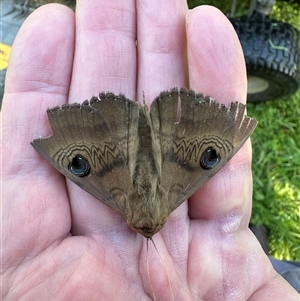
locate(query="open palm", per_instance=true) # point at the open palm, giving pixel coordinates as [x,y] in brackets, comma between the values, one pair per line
[60,243]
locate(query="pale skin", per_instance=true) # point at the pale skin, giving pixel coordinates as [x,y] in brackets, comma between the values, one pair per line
[58,242]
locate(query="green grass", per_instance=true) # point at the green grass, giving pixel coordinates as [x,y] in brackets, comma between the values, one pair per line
[289,13]
[276,174]
[284,11]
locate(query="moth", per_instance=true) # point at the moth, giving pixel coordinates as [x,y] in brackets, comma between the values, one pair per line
[144,163]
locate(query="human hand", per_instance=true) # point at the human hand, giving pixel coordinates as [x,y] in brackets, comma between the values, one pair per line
[60,243]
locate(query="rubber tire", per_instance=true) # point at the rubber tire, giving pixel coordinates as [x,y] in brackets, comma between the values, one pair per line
[272,54]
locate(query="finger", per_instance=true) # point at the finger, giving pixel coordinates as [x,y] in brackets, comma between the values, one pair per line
[105,53]
[217,68]
[40,66]
[38,77]
[215,57]
[161,46]
[105,60]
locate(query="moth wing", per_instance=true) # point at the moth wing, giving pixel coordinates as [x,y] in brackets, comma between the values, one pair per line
[103,132]
[188,125]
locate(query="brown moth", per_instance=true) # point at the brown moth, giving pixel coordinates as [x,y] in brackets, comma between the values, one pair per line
[144,164]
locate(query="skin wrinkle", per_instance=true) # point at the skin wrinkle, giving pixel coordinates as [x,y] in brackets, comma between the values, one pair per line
[231,224]
[165,45]
[109,19]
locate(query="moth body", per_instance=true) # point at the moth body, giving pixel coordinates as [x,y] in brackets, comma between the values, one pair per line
[148,210]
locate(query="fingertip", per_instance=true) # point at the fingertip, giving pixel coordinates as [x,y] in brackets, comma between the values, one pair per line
[217,68]
[215,57]
[38,77]
[42,47]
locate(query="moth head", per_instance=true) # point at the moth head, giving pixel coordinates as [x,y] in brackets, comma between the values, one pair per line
[147,213]
[147,229]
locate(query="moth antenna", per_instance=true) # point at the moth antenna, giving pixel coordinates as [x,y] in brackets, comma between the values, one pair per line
[148,270]
[163,264]
[144,102]
[178,115]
